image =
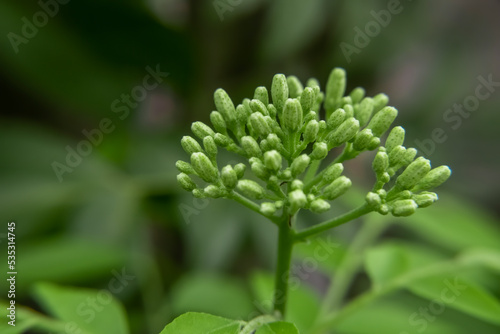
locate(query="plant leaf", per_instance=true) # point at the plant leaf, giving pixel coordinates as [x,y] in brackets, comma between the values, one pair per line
[279,327]
[202,323]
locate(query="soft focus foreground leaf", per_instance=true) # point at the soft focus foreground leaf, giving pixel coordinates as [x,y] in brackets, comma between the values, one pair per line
[201,323]
[279,327]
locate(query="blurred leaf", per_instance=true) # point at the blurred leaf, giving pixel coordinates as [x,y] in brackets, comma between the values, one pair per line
[64,260]
[94,311]
[291,25]
[456,225]
[279,327]
[303,303]
[326,252]
[201,323]
[385,263]
[223,296]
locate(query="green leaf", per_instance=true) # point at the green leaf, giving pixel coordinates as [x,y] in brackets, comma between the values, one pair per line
[93,311]
[279,327]
[223,296]
[201,323]
[455,224]
[385,263]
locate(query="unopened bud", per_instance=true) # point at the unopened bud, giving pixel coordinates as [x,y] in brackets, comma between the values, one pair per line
[379,101]
[380,163]
[364,111]
[225,106]
[320,151]
[357,94]
[199,193]
[201,130]
[190,145]
[240,170]
[218,122]
[210,147]
[258,106]
[319,205]
[273,160]
[292,115]
[294,86]
[397,155]
[229,177]
[396,138]
[373,200]
[297,200]
[279,92]
[268,208]
[335,119]
[382,120]
[300,164]
[413,173]
[251,147]
[337,188]
[260,170]
[262,95]
[362,139]
[404,208]
[425,199]
[186,182]
[185,167]
[297,184]
[213,191]
[203,167]
[433,179]
[307,99]
[259,125]
[311,131]
[272,111]
[335,88]
[222,140]
[251,189]
[333,172]
[242,114]
[345,132]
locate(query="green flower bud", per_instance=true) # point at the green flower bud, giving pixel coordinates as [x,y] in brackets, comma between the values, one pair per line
[292,115]
[307,99]
[383,209]
[396,138]
[260,170]
[294,86]
[357,94]
[319,98]
[409,156]
[373,200]
[380,163]
[297,200]
[397,155]
[185,167]
[413,173]
[322,128]
[199,193]
[213,191]
[425,199]
[346,100]
[274,141]
[349,110]
[259,125]
[337,188]
[272,111]
[210,147]
[268,208]
[385,177]
[186,182]
[335,88]
[225,106]
[229,177]
[250,146]
[333,172]
[364,111]
[242,114]
[404,208]
[405,194]
[362,140]
[262,95]
[251,189]
[258,106]
[297,184]
[285,174]
[201,130]
[203,167]
[345,132]
[433,179]
[273,160]
[222,140]
[240,170]
[190,145]
[374,143]
[319,206]
[300,164]
[379,101]
[312,82]
[319,152]
[335,119]
[311,131]
[382,120]
[279,92]
[218,122]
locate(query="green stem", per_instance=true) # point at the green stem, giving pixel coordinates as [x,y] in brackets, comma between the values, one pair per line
[251,205]
[350,265]
[351,215]
[341,158]
[285,247]
[311,171]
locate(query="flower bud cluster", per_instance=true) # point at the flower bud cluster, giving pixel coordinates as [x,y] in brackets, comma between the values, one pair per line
[410,187]
[281,137]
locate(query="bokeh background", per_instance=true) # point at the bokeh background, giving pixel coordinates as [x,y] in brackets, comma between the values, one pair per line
[120,207]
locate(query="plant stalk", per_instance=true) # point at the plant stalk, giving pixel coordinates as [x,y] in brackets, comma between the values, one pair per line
[285,247]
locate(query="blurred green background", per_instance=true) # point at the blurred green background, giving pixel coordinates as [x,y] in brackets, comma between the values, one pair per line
[63,73]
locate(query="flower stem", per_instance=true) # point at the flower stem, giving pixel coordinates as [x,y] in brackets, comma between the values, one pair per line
[285,247]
